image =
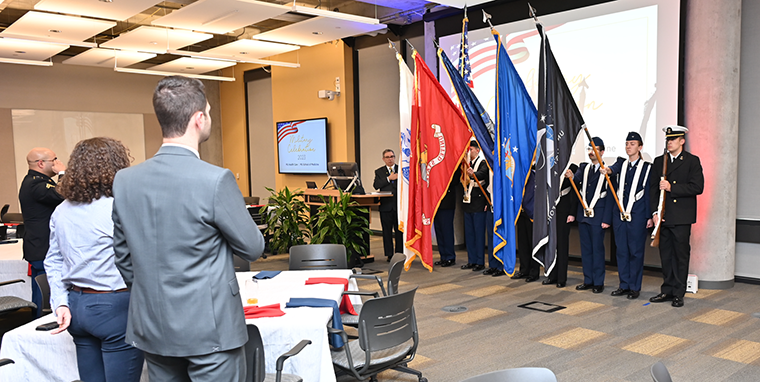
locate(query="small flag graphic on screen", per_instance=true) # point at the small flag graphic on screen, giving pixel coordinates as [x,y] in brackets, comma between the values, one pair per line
[286,129]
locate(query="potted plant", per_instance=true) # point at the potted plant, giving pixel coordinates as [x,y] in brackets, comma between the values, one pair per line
[338,221]
[287,219]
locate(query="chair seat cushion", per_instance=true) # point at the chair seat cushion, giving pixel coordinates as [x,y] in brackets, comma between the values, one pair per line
[271,377]
[378,357]
[350,319]
[11,303]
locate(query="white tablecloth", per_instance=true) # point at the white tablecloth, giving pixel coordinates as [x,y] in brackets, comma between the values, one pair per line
[280,334]
[40,356]
[13,266]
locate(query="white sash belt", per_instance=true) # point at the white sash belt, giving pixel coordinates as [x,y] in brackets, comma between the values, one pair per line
[597,192]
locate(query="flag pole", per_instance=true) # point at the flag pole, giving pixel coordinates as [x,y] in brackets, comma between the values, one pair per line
[392,45]
[467,165]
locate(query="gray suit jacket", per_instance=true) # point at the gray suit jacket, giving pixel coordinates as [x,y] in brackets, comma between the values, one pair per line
[177,222]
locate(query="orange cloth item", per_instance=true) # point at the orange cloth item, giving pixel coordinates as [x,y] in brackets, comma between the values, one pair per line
[345,302]
[255,311]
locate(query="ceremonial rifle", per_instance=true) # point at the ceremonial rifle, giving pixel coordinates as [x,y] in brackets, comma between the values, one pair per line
[467,165]
[661,206]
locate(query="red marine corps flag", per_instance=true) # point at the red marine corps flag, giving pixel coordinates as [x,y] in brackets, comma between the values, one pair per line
[439,138]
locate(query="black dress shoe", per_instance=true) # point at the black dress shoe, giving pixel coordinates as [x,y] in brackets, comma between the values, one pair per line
[490,271]
[548,281]
[632,295]
[448,263]
[439,262]
[584,287]
[620,292]
[388,259]
[598,289]
[662,297]
[560,285]
[518,275]
[478,267]
[677,302]
[498,273]
[468,266]
[531,279]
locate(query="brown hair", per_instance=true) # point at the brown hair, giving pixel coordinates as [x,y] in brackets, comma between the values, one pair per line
[92,167]
[175,100]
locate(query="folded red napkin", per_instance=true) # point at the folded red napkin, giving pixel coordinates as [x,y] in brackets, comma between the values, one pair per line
[255,311]
[345,302]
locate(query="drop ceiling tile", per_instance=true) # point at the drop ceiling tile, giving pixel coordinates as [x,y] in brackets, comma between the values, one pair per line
[333,15]
[114,10]
[221,16]
[105,58]
[192,65]
[155,40]
[56,27]
[29,50]
[317,30]
[249,50]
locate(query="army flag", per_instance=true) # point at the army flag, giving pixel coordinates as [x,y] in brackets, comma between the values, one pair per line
[439,139]
[514,152]
[559,123]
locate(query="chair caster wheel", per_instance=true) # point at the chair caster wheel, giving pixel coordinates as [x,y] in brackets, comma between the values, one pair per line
[423,379]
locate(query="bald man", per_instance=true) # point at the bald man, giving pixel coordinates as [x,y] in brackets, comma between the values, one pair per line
[39,198]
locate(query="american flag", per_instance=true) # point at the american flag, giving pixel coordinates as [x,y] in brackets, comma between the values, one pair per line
[464,59]
[285,129]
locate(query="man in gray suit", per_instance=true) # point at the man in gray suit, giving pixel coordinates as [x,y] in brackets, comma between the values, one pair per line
[177,223]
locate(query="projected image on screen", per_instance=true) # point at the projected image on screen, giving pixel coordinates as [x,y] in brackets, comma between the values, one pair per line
[302,146]
[619,59]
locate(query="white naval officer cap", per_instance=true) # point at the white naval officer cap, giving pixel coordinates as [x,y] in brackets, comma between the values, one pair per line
[673,131]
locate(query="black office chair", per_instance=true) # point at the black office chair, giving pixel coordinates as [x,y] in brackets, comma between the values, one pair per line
[255,359]
[42,281]
[660,373]
[11,303]
[520,374]
[6,361]
[394,275]
[3,211]
[388,338]
[251,200]
[317,256]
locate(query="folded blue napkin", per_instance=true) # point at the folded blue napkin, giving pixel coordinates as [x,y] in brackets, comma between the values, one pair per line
[266,275]
[337,323]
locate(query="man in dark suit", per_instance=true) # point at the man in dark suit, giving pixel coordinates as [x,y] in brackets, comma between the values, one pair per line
[444,224]
[476,208]
[630,226]
[38,198]
[386,180]
[593,221]
[177,223]
[683,182]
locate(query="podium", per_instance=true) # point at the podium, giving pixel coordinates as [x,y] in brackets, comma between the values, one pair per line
[315,198]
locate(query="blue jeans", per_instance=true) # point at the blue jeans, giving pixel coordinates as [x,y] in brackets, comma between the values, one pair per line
[98,325]
[38,268]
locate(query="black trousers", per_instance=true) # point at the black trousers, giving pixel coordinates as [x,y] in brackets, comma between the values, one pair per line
[675,253]
[444,233]
[559,273]
[389,222]
[528,266]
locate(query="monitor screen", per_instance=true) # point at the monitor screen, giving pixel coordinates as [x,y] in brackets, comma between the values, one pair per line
[342,174]
[302,146]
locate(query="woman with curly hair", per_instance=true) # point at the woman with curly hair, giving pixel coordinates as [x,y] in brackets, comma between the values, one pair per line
[87,292]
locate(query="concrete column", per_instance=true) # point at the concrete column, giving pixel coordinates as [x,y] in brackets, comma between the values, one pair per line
[711,99]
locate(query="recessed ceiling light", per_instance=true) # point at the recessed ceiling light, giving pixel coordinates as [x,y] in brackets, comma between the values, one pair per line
[190,68]
[243,52]
[317,33]
[154,42]
[106,1]
[54,31]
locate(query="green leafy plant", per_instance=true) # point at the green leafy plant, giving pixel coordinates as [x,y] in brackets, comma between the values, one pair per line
[288,221]
[338,222]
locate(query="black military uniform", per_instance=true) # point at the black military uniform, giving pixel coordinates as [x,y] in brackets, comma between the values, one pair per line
[684,173]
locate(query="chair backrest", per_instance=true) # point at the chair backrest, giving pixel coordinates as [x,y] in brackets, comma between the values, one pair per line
[388,321]
[42,281]
[241,265]
[251,200]
[533,374]
[660,373]
[3,211]
[318,256]
[254,356]
[13,217]
[394,272]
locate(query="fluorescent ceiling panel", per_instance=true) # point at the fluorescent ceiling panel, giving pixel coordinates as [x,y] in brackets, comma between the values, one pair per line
[333,15]
[155,40]
[191,65]
[29,50]
[114,10]
[57,27]
[461,3]
[221,16]
[105,58]
[317,30]
[248,50]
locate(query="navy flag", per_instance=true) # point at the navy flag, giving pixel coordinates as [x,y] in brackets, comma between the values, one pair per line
[559,123]
[477,118]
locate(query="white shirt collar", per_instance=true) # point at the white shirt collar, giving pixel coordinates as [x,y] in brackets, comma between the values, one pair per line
[184,147]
